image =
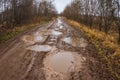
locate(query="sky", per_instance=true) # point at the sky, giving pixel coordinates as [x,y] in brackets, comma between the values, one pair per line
[61,4]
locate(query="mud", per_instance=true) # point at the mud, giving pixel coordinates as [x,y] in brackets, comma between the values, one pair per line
[55,51]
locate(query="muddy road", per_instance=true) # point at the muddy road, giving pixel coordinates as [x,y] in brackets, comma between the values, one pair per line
[55,51]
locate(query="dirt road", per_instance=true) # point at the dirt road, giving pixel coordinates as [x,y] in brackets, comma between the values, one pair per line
[55,51]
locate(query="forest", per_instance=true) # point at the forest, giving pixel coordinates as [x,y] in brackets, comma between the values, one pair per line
[103,15]
[19,12]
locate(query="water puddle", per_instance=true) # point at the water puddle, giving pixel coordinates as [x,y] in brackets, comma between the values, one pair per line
[61,27]
[62,62]
[77,42]
[40,48]
[56,33]
[59,22]
[58,65]
[38,37]
[68,40]
[34,38]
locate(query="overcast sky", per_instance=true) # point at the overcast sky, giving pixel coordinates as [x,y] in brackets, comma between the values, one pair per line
[61,4]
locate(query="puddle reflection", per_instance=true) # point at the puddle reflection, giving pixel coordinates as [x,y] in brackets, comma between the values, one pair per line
[62,62]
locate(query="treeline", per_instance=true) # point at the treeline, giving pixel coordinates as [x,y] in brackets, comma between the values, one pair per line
[18,12]
[103,15]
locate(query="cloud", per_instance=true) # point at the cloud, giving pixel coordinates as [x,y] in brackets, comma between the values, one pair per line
[61,4]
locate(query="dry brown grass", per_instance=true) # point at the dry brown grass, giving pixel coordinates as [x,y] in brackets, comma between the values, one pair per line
[107,46]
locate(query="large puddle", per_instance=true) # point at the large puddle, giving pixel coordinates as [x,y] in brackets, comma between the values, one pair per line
[77,42]
[58,65]
[40,48]
[62,62]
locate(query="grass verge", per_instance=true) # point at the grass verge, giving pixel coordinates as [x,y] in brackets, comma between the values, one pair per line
[10,33]
[107,46]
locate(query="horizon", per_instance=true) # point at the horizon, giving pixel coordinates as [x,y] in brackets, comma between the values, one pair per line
[60,6]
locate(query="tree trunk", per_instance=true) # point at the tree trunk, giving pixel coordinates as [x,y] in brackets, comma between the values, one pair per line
[119,34]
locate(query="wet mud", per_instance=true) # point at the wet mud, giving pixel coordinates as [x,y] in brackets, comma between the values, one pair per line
[53,52]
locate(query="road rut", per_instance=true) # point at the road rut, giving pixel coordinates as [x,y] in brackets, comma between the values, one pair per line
[55,51]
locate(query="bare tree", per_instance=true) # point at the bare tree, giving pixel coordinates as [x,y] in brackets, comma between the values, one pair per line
[99,14]
[18,12]
[46,8]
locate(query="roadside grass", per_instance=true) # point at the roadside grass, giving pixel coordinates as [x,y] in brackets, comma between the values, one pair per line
[107,46]
[10,33]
